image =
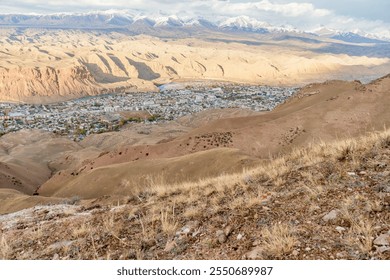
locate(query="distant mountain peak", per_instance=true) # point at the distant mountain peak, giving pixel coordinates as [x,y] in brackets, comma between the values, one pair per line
[126,18]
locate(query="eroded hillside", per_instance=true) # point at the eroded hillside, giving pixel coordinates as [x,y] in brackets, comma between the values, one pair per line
[50,65]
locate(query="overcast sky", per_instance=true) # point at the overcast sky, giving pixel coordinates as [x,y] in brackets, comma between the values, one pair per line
[366,15]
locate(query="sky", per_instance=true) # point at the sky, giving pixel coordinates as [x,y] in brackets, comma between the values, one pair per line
[370,16]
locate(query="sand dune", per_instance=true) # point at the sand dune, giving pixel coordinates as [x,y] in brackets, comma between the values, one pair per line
[49,65]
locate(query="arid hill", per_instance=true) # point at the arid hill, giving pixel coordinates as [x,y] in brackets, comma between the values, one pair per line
[49,65]
[318,113]
[25,158]
[309,180]
[328,201]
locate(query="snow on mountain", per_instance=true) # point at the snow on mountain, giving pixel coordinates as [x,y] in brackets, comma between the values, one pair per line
[127,18]
[171,21]
[354,36]
[244,23]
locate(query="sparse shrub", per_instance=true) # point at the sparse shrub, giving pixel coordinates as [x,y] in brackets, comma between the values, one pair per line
[5,249]
[361,235]
[168,223]
[278,240]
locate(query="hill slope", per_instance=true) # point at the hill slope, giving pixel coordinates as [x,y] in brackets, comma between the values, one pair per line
[48,65]
[319,112]
[328,201]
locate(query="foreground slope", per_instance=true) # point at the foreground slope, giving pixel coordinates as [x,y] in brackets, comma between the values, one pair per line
[328,201]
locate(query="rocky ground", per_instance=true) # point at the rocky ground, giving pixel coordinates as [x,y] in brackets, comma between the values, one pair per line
[327,201]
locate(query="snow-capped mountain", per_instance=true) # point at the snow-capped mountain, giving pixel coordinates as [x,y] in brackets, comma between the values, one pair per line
[88,20]
[171,21]
[134,19]
[244,23]
[355,36]
[125,19]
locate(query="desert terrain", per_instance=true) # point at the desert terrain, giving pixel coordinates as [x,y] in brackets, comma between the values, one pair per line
[43,66]
[307,179]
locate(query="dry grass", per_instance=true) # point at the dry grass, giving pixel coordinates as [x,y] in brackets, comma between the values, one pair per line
[192,212]
[168,222]
[276,170]
[278,239]
[82,230]
[361,235]
[5,249]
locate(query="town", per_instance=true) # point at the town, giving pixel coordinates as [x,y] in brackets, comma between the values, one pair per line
[97,114]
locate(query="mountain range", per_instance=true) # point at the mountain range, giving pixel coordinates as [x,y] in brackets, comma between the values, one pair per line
[137,22]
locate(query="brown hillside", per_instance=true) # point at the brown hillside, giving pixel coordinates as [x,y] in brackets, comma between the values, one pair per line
[319,112]
[131,177]
[64,64]
[328,201]
[25,157]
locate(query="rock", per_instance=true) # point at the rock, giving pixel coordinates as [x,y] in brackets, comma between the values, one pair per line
[147,244]
[185,230]
[60,244]
[307,249]
[316,208]
[56,257]
[196,233]
[341,255]
[351,173]
[170,246]
[356,184]
[239,236]
[377,207]
[384,188]
[380,165]
[331,216]
[382,249]
[382,240]
[295,253]
[221,236]
[228,230]
[340,229]
[255,253]
[189,228]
